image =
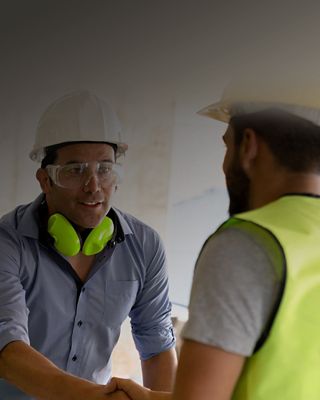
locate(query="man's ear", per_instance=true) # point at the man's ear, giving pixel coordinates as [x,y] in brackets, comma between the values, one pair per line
[248,150]
[44,180]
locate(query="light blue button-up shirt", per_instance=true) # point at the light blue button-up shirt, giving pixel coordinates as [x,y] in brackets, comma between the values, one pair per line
[76,325]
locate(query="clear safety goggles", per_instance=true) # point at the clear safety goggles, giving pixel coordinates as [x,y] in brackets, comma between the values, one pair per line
[76,175]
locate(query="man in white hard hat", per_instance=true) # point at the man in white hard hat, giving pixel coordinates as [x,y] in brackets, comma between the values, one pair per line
[72,267]
[254,327]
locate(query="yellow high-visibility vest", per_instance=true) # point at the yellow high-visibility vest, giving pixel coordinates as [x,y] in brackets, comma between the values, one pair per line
[287,365]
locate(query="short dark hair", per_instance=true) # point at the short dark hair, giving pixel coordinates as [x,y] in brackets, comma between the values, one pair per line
[294,141]
[51,151]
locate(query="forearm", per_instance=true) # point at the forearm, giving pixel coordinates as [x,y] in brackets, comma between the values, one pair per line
[35,375]
[159,371]
[155,395]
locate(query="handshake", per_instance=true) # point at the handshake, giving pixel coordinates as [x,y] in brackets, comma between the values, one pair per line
[126,389]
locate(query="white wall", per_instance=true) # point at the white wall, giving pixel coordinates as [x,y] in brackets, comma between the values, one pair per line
[145,58]
[158,62]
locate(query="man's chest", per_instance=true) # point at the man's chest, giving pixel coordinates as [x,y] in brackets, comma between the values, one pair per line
[82,265]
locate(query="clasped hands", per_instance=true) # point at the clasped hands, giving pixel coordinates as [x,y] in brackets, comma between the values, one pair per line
[126,389]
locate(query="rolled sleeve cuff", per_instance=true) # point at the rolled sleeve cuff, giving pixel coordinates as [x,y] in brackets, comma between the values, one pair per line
[152,343]
[13,334]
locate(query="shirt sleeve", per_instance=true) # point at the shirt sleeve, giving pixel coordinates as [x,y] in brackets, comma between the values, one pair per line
[234,291]
[13,309]
[151,315]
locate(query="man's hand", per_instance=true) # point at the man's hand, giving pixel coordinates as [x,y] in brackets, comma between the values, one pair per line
[24,367]
[135,391]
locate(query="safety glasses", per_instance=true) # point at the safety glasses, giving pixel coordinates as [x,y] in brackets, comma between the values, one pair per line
[76,175]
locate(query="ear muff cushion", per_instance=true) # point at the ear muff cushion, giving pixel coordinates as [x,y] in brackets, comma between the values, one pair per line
[66,239]
[98,237]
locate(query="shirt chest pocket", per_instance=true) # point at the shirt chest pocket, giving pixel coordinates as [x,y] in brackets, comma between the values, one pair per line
[120,296]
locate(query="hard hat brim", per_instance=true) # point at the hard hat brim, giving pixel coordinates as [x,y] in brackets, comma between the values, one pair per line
[38,154]
[219,111]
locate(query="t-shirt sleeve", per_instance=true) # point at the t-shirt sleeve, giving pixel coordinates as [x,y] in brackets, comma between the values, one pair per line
[234,291]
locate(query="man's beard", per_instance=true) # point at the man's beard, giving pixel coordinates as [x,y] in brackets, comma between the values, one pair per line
[238,185]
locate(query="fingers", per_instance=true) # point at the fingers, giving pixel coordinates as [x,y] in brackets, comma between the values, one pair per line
[111,386]
[132,389]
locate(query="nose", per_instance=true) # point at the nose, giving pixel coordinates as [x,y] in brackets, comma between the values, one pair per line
[92,184]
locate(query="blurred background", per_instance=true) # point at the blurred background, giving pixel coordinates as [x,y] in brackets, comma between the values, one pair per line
[157,63]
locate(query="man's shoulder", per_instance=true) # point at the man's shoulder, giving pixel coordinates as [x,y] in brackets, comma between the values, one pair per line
[20,215]
[13,217]
[9,224]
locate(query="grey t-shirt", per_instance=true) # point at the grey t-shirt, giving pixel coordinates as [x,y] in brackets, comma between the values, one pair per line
[235,289]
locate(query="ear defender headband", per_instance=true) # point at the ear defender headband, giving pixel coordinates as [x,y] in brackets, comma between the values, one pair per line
[68,242]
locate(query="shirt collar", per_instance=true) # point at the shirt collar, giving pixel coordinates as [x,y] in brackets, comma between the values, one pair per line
[29,224]
[124,225]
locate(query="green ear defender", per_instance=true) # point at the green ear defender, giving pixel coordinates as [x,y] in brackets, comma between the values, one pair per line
[67,240]
[98,237]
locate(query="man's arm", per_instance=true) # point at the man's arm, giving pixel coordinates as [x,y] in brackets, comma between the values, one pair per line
[159,371]
[151,318]
[35,375]
[206,372]
[136,391]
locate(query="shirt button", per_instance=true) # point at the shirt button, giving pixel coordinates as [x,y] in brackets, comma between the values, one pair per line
[83,289]
[74,358]
[79,323]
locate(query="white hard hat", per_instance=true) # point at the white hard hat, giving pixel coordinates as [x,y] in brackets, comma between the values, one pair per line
[77,117]
[243,97]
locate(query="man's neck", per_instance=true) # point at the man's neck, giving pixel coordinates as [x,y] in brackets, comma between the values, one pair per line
[275,187]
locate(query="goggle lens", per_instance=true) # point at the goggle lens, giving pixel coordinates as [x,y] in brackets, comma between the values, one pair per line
[75,175]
